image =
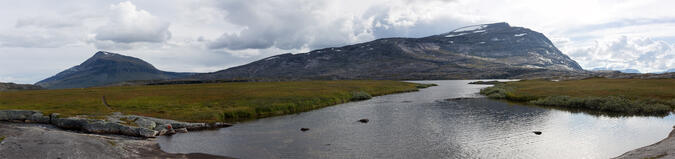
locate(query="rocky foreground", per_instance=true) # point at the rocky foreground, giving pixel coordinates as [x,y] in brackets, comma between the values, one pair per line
[18,140]
[118,124]
[662,149]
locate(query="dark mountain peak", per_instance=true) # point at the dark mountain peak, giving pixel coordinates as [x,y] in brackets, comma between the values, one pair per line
[484,27]
[108,55]
[107,68]
[101,53]
[496,50]
[104,57]
[517,46]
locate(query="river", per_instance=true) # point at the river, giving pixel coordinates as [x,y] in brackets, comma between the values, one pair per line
[425,125]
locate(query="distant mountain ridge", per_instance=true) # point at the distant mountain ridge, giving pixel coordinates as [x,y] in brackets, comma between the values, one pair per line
[620,70]
[14,86]
[474,52]
[106,68]
[481,51]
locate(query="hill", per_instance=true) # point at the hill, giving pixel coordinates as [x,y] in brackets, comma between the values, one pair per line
[105,68]
[482,51]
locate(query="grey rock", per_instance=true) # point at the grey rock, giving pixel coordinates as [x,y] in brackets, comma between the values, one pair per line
[144,123]
[162,132]
[101,127]
[148,126]
[661,149]
[39,118]
[115,120]
[162,127]
[143,132]
[70,123]
[182,130]
[21,115]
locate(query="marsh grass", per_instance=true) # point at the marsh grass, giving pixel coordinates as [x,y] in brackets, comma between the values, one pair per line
[360,95]
[212,102]
[625,96]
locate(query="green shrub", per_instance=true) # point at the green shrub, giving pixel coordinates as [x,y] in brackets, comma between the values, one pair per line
[360,95]
[425,85]
[497,91]
[609,104]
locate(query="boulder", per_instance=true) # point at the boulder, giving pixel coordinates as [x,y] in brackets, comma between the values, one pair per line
[163,126]
[39,118]
[143,132]
[70,123]
[7,115]
[145,123]
[162,132]
[182,130]
[101,127]
[53,116]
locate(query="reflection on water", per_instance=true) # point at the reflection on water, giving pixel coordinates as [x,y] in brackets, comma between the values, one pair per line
[424,125]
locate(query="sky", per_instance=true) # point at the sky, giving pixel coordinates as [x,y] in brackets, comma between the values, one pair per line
[39,38]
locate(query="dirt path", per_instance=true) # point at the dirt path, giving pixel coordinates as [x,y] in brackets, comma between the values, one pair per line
[45,141]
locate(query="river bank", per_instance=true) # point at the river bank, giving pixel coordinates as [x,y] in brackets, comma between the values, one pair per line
[46,141]
[613,97]
[204,103]
[662,149]
[90,126]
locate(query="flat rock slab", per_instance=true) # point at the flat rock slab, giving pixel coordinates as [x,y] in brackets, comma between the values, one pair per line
[662,149]
[45,141]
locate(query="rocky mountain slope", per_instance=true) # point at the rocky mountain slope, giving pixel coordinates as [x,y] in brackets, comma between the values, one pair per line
[482,51]
[106,68]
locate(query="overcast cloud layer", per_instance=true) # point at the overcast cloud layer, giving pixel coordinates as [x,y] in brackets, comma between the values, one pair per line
[41,38]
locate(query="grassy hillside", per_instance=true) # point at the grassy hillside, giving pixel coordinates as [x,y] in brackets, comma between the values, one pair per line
[202,102]
[627,96]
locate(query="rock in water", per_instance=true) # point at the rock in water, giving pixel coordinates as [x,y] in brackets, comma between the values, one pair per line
[537,132]
[304,129]
[364,120]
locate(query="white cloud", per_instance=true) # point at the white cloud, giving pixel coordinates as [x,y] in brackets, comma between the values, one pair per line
[298,24]
[127,24]
[624,52]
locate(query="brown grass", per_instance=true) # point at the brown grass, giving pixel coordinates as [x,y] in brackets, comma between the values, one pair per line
[200,102]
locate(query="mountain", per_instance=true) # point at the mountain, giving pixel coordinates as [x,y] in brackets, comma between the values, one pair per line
[669,70]
[105,68]
[13,86]
[481,51]
[620,70]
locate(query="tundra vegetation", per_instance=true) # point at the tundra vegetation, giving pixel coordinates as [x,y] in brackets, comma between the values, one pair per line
[614,96]
[214,102]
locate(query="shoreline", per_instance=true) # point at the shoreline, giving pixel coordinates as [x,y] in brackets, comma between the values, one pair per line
[627,98]
[117,136]
[52,142]
[662,149]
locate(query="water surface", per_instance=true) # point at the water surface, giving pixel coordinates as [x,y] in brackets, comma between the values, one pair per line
[424,125]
